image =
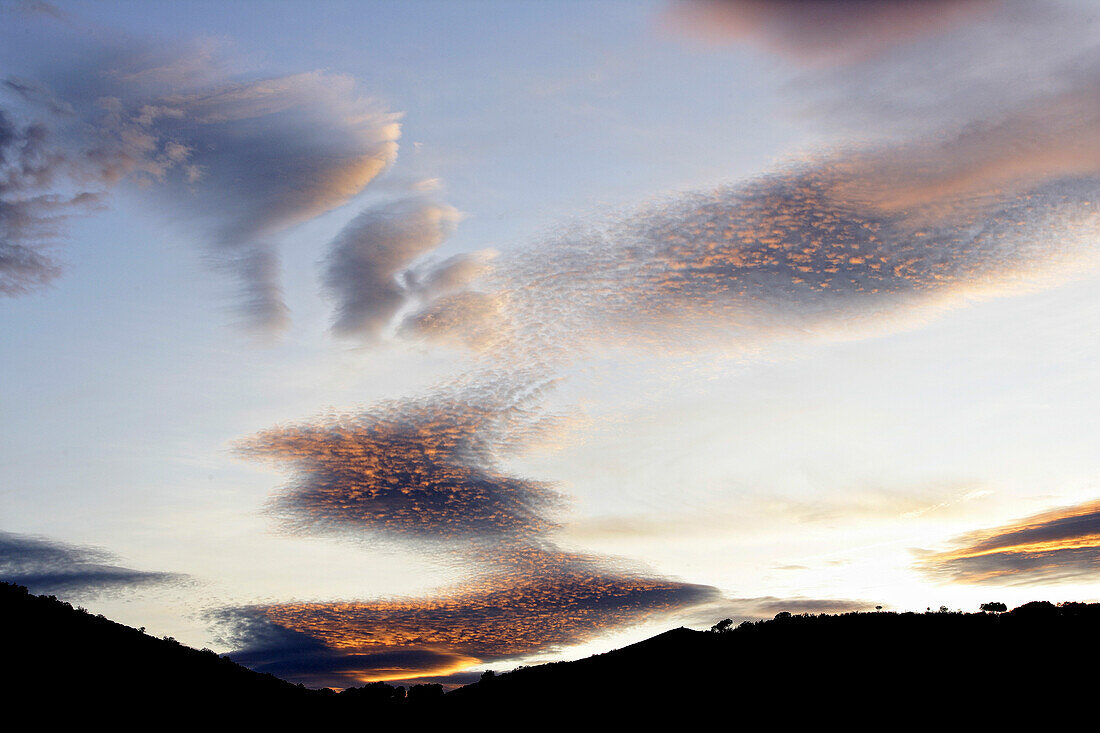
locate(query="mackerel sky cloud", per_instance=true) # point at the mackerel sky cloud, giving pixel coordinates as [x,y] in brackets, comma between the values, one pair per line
[427,472]
[848,236]
[805,247]
[422,468]
[435,637]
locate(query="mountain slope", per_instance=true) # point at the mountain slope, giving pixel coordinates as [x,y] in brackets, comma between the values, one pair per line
[64,665]
[889,667]
[883,669]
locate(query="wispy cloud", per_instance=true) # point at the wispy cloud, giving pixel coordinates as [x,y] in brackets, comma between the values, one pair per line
[33,203]
[240,158]
[765,607]
[1060,546]
[819,31]
[753,510]
[70,571]
[379,244]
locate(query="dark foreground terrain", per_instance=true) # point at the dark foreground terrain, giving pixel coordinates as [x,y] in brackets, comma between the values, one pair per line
[891,671]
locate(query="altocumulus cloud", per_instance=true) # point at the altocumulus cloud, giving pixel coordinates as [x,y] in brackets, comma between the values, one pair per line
[815,247]
[850,237]
[240,157]
[427,472]
[1060,546]
[69,571]
[498,618]
[415,469]
[999,195]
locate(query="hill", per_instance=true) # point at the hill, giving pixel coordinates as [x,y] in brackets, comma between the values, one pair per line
[66,665]
[886,669]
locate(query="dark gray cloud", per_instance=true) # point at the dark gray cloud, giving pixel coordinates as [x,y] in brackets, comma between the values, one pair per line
[303,658]
[765,607]
[33,8]
[69,571]
[1060,546]
[362,268]
[820,31]
[34,204]
[239,159]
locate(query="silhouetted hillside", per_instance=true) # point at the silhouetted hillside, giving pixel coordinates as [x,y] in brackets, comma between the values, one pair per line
[886,669]
[64,665]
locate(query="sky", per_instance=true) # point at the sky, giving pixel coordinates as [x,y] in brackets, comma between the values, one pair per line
[405,340]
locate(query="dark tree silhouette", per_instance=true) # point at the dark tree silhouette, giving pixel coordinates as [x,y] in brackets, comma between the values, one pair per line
[994,607]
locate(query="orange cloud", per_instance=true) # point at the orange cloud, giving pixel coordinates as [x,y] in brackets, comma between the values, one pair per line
[1060,546]
[425,470]
[501,617]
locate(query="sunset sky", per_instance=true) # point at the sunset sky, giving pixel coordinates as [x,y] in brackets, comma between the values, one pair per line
[406,340]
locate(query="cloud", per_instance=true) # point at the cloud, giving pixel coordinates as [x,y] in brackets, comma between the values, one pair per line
[69,571]
[834,506]
[844,240]
[985,183]
[34,8]
[32,207]
[819,31]
[301,658]
[843,243]
[425,469]
[451,274]
[362,268]
[469,319]
[1060,546]
[765,607]
[858,235]
[502,618]
[427,472]
[240,159]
